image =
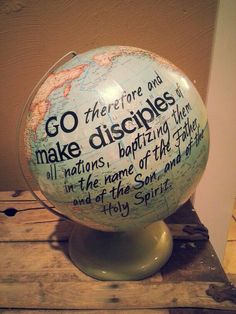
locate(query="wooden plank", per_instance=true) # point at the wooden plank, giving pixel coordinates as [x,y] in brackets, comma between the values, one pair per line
[48,231]
[24,263]
[193,261]
[59,230]
[36,266]
[29,262]
[30,211]
[142,311]
[20,195]
[36,275]
[31,221]
[107,295]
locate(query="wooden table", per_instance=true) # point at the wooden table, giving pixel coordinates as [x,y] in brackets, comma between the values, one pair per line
[37,276]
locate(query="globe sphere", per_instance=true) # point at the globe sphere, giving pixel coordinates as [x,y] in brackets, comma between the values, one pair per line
[116,138]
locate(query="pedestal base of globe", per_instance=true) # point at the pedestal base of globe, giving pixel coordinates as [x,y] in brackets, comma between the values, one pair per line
[129,255]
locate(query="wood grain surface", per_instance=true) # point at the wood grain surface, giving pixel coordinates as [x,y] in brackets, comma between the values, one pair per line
[37,276]
[142,311]
[105,295]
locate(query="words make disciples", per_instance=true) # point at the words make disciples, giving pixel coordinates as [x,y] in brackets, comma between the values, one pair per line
[103,134]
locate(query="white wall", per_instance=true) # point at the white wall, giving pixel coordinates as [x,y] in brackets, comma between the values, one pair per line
[216,192]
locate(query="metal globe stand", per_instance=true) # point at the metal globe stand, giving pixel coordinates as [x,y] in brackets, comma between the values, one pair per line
[130,255]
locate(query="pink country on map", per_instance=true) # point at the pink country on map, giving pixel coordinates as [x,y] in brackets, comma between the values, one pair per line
[105,59]
[40,104]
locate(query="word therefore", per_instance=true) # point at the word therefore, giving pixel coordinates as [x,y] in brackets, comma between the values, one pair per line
[98,111]
[142,118]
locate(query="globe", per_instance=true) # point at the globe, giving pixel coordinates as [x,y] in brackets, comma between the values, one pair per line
[115,138]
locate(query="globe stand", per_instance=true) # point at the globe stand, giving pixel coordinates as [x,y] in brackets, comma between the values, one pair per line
[128,255]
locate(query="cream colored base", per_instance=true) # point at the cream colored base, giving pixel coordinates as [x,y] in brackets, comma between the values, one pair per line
[121,256]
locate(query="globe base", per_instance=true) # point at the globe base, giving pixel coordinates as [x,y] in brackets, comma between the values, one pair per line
[128,255]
